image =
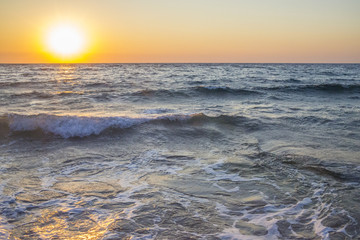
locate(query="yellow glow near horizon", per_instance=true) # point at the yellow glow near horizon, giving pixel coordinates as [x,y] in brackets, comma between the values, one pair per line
[114,31]
[65,40]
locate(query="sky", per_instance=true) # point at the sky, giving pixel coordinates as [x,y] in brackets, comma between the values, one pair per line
[244,31]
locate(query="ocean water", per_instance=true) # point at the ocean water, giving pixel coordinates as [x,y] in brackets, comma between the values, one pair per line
[180,151]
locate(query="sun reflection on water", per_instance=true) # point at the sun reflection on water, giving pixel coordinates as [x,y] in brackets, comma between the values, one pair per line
[63,224]
[68,73]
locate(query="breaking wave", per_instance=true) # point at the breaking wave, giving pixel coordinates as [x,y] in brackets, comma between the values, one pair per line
[82,126]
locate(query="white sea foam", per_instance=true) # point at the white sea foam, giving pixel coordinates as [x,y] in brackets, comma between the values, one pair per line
[215,87]
[79,126]
[70,126]
[158,111]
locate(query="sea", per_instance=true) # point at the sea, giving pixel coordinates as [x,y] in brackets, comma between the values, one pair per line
[179,151]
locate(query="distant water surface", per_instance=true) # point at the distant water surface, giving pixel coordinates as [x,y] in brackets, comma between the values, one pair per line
[180,151]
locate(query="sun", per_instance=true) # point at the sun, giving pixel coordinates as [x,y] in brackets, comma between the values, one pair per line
[65,40]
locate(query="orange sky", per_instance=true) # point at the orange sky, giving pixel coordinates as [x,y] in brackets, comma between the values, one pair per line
[185,31]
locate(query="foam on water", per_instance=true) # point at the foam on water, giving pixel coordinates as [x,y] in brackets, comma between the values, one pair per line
[70,126]
[179,151]
[82,126]
[158,111]
[78,126]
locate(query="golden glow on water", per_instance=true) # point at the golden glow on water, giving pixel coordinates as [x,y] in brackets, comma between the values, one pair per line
[57,224]
[67,73]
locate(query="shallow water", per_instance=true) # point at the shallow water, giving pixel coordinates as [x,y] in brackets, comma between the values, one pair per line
[180,151]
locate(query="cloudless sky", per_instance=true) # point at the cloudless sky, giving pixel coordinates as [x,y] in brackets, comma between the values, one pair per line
[187,30]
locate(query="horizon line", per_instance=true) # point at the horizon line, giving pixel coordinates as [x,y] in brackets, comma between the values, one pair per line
[11,63]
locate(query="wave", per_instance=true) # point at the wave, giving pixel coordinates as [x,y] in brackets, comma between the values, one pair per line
[299,120]
[68,126]
[97,84]
[194,91]
[81,126]
[157,111]
[160,93]
[37,94]
[18,84]
[339,171]
[328,87]
[32,94]
[223,90]
[293,80]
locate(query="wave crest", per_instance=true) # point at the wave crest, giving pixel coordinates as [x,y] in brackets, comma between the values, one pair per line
[69,126]
[328,88]
[194,91]
[223,90]
[82,126]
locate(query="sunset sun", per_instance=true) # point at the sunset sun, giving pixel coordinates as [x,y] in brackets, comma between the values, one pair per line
[65,40]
